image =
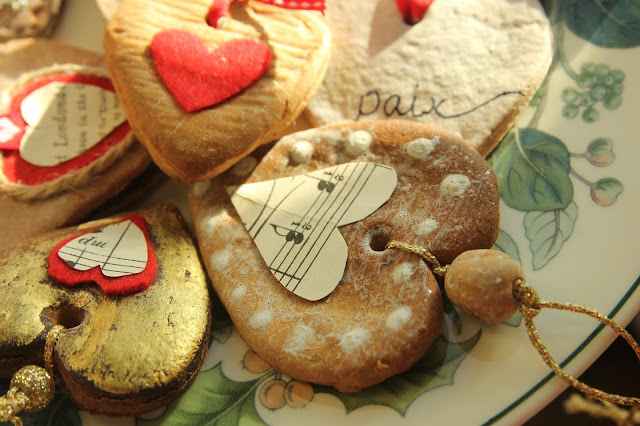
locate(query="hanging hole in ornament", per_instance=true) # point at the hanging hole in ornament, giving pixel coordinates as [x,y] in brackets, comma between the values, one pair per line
[65,314]
[379,236]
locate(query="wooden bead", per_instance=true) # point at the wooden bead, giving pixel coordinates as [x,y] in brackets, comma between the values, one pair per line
[480,283]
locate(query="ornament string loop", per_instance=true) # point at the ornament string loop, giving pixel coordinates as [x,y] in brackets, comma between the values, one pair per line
[32,387]
[530,305]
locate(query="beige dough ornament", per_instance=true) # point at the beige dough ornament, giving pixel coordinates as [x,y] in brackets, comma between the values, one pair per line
[467,66]
[65,144]
[204,83]
[132,300]
[296,248]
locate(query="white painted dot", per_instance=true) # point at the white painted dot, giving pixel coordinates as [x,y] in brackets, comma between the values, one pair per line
[358,142]
[207,225]
[220,260]
[398,318]
[200,188]
[299,339]
[261,319]
[354,339]
[402,273]
[454,185]
[238,292]
[301,152]
[244,166]
[422,147]
[426,227]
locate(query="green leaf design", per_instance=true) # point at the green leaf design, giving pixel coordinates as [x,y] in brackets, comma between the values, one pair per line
[505,244]
[213,399]
[435,369]
[605,23]
[61,411]
[532,168]
[547,232]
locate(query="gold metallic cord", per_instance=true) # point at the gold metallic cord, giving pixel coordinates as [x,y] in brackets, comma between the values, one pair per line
[530,306]
[422,252]
[52,338]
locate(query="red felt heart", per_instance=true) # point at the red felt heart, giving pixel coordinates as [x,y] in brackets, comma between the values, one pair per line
[413,10]
[95,262]
[198,78]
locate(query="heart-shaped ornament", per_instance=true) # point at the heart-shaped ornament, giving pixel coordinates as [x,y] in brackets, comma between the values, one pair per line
[466,66]
[118,257]
[387,308]
[11,131]
[65,120]
[169,81]
[198,78]
[294,221]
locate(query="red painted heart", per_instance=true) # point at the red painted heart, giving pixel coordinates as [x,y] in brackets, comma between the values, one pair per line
[198,78]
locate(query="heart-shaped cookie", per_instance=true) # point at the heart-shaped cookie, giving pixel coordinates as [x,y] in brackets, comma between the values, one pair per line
[467,66]
[387,308]
[197,145]
[83,156]
[119,354]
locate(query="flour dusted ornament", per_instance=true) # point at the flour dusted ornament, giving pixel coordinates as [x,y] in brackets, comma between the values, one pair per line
[467,66]
[386,309]
[201,96]
[118,354]
[65,145]
[28,18]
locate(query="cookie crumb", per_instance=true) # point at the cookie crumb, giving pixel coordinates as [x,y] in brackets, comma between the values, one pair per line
[358,142]
[381,365]
[454,185]
[422,147]
[301,152]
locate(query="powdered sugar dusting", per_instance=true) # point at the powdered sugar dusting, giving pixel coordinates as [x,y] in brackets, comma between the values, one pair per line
[220,259]
[402,273]
[422,147]
[261,319]
[354,339]
[398,318]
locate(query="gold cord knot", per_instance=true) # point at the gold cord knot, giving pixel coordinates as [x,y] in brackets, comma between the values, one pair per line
[527,296]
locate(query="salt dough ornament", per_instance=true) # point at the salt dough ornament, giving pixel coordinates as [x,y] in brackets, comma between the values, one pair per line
[19,18]
[387,308]
[35,199]
[195,146]
[109,356]
[467,66]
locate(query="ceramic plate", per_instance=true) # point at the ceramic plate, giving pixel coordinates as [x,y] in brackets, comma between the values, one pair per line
[575,229]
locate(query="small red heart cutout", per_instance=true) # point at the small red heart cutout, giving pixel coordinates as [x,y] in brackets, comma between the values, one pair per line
[413,10]
[198,78]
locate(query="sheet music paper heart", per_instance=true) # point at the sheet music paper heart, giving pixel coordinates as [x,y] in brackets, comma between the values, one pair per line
[118,257]
[65,120]
[294,221]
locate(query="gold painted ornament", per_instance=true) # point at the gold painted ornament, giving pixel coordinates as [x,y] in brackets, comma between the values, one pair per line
[122,354]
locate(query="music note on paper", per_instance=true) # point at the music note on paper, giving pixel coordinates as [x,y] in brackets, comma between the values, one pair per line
[294,221]
[119,249]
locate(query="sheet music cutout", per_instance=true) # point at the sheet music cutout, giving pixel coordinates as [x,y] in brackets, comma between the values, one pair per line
[118,249]
[66,119]
[294,221]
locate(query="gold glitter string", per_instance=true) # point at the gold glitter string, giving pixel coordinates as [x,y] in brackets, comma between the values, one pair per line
[530,306]
[422,252]
[32,387]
